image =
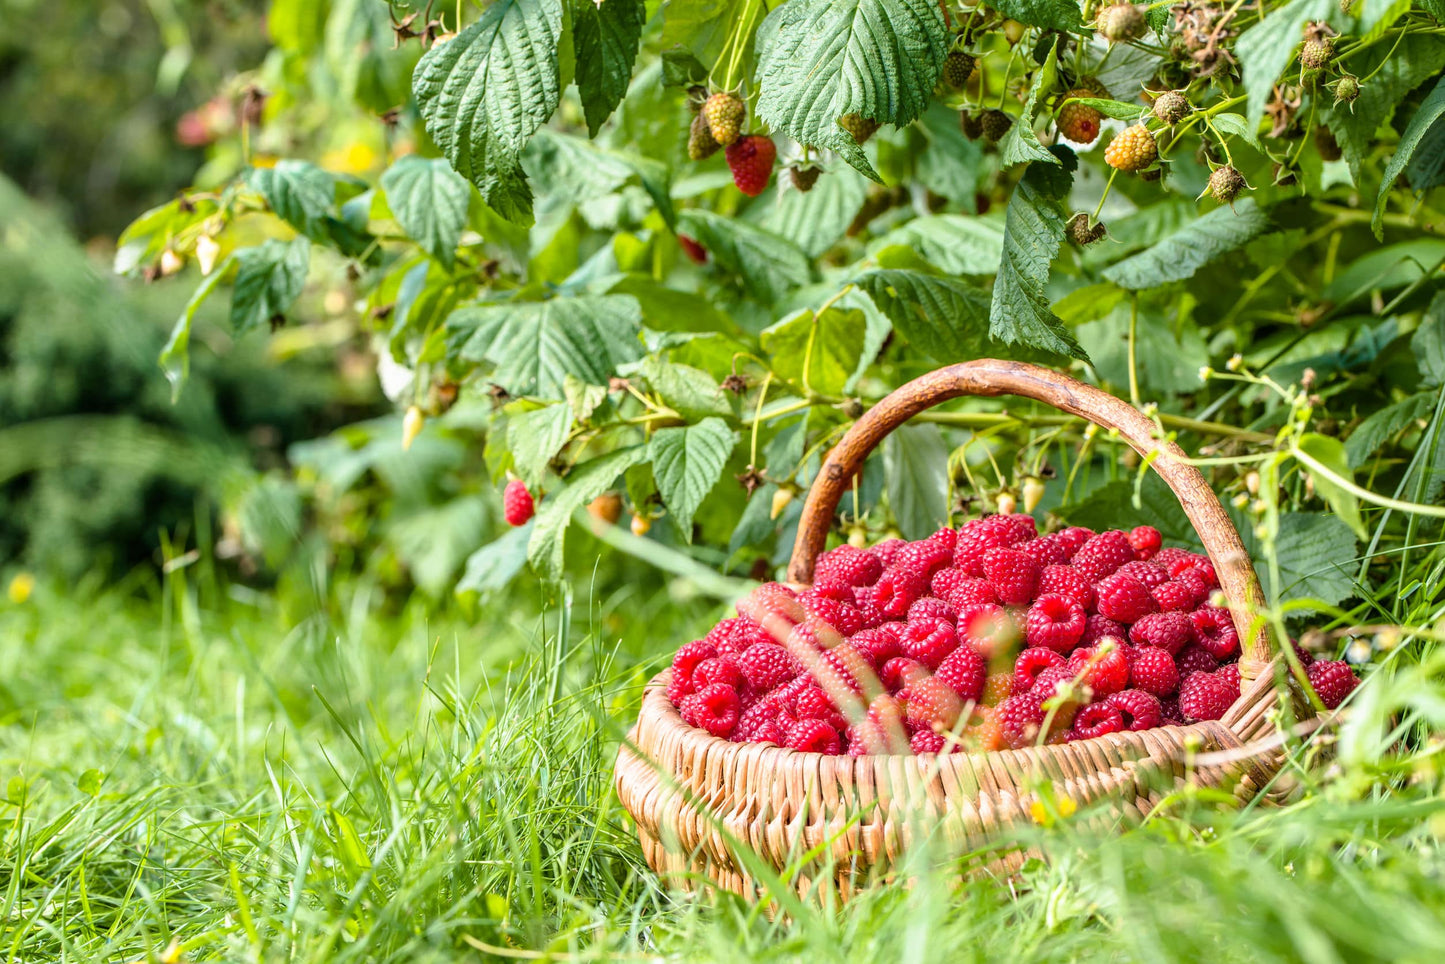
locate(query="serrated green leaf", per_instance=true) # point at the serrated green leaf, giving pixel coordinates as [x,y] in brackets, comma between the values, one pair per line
[534,345]
[827,348]
[1265,49]
[1394,72]
[950,165]
[1376,16]
[586,482]
[605,36]
[690,392]
[1316,556]
[493,567]
[1089,303]
[582,397]
[687,463]
[1169,351]
[485,92]
[1021,143]
[767,264]
[1428,116]
[946,318]
[1330,452]
[817,220]
[1187,250]
[429,201]
[915,459]
[681,69]
[535,436]
[299,192]
[1019,313]
[956,244]
[1111,108]
[1382,425]
[269,278]
[821,59]
[1428,343]
[1235,125]
[579,170]
[175,357]
[1050,14]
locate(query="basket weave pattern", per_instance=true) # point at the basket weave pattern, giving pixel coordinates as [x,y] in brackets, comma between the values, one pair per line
[681,784]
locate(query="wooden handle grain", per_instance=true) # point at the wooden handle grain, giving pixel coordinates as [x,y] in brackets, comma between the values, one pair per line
[990,377]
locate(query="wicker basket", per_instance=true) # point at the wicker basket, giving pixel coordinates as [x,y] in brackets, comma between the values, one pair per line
[689,792]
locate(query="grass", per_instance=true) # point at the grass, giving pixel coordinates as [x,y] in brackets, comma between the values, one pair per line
[199,773]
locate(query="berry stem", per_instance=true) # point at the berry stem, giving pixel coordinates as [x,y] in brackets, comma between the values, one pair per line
[1133,346]
[758,420]
[1113,173]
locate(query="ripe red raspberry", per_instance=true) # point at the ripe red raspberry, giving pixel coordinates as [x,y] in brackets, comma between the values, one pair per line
[772,606]
[1065,580]
[929,641]
[1332,681]
[1030,663]
[762,708]
[1073,539]
[1170,632]
[1169,711]
[931,607]
[813,704]
[1045,550]
[769,731]
[1146,541]
[896,590]
[689,656]
[1021,524]
[1013,575]
[517,504]
[877,645]
[1169,555]
[1060,688]
[1079,122]
[724,114]
[678,687]
[804,641]
[1141,710]
[887,551]
[767,666]
[927,741]
[813,736]
[1099,627]
[930,703]
[716,709]
[720,670]
[976,538]
[900,672]
[987,629]
[1204,696]
[1124,599]
[1132,149]
[925,557]
[968,593]
[1175,596]
[846,566]
[843,667]
[1194,659]
[1194,578]
[946,537]
[1102,555]
[694,251]
[1096,719]
[1103,672]
[751,160]
[1214,631]
[823,611]
[1153,670]
[1146,572]
[1020,719]
[1055,622]
[1205,569]
[964,672]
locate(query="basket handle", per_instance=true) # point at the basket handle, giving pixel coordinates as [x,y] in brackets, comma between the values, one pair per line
[990,377]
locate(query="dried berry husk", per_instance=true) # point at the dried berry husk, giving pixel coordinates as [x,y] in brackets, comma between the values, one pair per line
[700,142]
[1326,144]
[1081,232]
[803,176]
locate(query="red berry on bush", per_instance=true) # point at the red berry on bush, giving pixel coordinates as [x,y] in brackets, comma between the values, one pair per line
[751,160]
[517,504]
[1332,681]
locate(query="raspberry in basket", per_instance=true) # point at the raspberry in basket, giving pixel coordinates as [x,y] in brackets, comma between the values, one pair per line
[1095,720]
[1102,555]
[1055,622]
[1153,670]
[1214,631]
[931,703]
[1205,696]
[1145,541]
[1124,598]
[929,640]
[1332,681]
[1141,710]
[1170,632]
[965,672]
[1014,575]
[896,590]
[1065,580]
[846,566]
[813,736]
[766,666]
[1103,669]
[1031,663]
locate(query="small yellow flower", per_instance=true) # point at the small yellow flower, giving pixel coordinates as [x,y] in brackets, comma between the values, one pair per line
[21,587]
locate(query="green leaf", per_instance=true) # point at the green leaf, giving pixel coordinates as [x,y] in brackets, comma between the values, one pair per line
[1033,234]
[767,265]
[821,59]
[587,482]
[535,345]
[817,220]
[1265,49]
[1050,14]
[1021,143]
[435,540]
[535,437]
[705,26]
[429,201]
[1187,250]
[1169,350]
[605,36]
[950,165]
[90,781]
[1234,125]
[1396,71]
[1428,343]
[690,392]
[826,347]
[299,192]
[954,243]
[687,463]
[680,68]
[485,92]
[915,460]
[1425,118]
[175,358]
[580,171]
[946,318]
[1330,452]
[1386,269]
[493,567]
[1383,425]
[1316,552]
[269,278]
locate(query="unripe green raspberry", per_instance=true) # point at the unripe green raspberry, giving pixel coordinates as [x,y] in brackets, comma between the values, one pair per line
[859,126]
[994,124]
[1081,232]
[1132,149]
[1347,88]
[1225,184]
[700,143]
[1121,22]
[1317,53]
[724,114]
[1171,107]
[957,68]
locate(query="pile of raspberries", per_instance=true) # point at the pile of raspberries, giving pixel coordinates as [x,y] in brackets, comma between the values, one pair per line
[977,638]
